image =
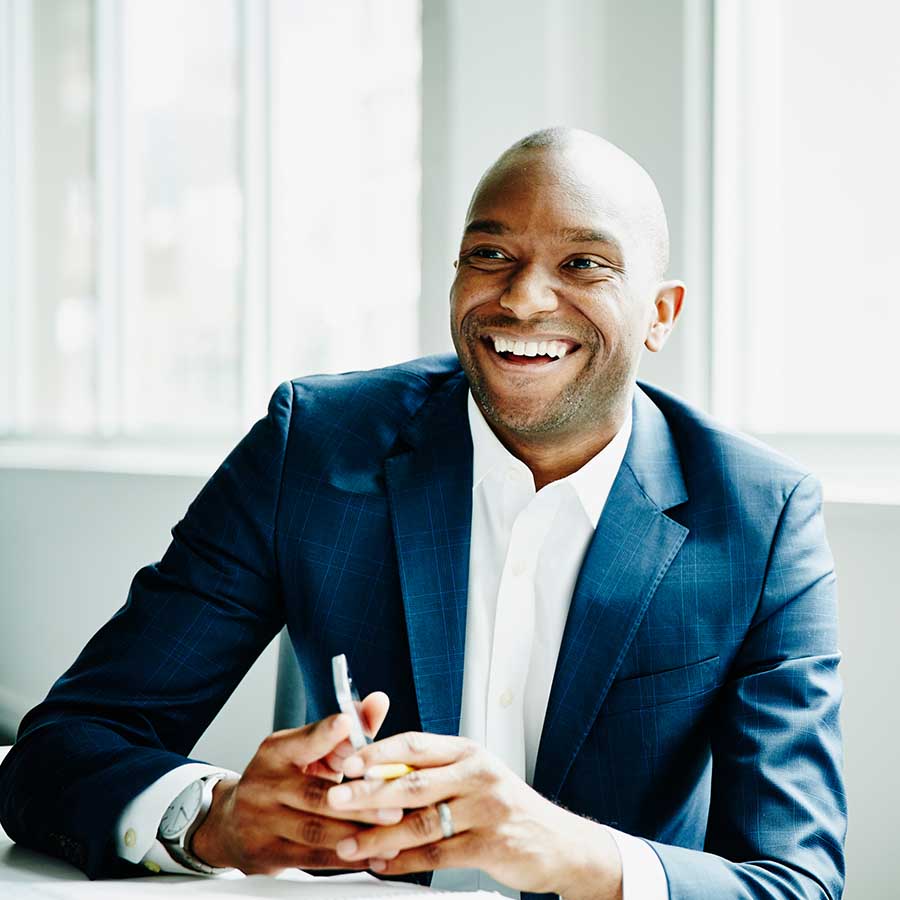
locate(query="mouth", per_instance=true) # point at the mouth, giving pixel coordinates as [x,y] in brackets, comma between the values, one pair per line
[531,360]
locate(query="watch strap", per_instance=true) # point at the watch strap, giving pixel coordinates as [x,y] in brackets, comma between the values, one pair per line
[178,850]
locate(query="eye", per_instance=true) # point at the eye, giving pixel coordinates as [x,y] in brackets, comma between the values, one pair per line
[487,253]
[583,263]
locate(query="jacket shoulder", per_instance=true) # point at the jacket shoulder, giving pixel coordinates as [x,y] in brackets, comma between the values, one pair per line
[713,455]
[343,425]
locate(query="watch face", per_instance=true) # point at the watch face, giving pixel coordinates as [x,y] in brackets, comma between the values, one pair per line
[182,811]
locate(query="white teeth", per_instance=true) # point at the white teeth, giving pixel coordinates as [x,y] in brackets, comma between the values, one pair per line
[530,348]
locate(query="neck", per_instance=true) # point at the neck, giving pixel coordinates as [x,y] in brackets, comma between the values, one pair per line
[554,456]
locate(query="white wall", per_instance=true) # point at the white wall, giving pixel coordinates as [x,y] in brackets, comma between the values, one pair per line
[638,73]
[70,543]
[865,540]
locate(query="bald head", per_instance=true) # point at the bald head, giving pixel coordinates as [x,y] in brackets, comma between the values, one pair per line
[598,172]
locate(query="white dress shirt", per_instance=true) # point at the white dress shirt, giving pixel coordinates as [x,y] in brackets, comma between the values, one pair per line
[525,555]
[526,551]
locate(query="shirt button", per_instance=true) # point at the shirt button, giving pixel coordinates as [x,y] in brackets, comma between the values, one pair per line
[130,838]
[519,567]
[506,698]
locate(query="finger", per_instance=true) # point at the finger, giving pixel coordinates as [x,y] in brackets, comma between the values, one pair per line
[336,758]
[374,710]
[461,851]
[309,795]
[321,769]
[419,788]
[301,746]
[289,854]
[417,749]
[312,830]
[417,828]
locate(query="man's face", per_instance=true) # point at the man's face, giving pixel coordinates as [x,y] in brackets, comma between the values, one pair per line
[549,254]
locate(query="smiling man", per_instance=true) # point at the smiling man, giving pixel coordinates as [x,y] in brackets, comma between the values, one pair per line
[599,627]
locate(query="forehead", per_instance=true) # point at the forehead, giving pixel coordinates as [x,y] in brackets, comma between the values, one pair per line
[550,196]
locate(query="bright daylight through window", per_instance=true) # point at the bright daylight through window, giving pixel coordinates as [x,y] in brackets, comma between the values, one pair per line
[805,235]
[175,240]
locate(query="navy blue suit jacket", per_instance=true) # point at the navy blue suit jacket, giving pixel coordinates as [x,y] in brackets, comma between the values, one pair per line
[696,696]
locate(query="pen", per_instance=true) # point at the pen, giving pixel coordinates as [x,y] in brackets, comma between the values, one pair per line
[388,771]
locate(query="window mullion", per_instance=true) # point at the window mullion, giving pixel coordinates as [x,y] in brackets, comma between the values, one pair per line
[19,216]
[697,221]
[727,230]
[110,236]
[255,316]
[7,220]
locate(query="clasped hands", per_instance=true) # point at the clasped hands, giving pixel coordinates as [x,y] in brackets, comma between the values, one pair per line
[286,810]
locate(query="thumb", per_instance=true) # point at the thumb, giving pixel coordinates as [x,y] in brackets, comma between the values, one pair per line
[374,710]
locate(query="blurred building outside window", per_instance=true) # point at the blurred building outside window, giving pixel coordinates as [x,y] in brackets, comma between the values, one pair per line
[201,200]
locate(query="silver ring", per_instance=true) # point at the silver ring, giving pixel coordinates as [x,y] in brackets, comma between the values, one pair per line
[446,820]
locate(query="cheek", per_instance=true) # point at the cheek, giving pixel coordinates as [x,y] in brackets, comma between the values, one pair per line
[616,318]
[462,302]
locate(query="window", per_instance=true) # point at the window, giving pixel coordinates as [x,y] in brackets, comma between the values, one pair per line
[807,189]
[197,201]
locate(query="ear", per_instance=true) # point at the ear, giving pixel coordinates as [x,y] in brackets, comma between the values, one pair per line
[669,297]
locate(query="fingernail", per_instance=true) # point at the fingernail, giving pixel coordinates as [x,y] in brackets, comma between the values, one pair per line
[389,854]
[377,865]
[353,766]
[339,722]
[338,796]
[346,848]
[389,815]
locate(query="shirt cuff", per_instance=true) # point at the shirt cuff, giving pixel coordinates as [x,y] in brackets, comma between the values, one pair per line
[643,875]
[137,825]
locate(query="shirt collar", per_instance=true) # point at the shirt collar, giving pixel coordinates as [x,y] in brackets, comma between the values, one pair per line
[591,483]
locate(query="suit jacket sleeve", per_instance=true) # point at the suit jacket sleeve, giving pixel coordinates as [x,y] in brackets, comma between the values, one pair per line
[151,680]
[777,818]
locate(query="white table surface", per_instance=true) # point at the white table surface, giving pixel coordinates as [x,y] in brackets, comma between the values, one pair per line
[28,875]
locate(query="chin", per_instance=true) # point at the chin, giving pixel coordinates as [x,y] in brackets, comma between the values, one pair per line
[521,420]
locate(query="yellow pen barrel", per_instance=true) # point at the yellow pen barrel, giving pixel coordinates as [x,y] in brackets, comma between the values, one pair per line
[388,771]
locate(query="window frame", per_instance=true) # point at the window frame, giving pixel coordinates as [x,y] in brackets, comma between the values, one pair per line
[854,467]
[111,447]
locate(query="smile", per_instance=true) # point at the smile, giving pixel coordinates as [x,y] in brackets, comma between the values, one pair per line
[511,352]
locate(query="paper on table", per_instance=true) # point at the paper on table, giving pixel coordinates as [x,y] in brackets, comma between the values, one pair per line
[293,884]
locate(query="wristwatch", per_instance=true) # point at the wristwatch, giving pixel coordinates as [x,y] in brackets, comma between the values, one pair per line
[184,816]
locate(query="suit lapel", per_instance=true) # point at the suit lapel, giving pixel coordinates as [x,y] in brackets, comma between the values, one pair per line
[429,485]
[632,547]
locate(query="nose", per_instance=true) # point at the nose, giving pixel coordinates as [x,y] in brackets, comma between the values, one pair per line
[529,291]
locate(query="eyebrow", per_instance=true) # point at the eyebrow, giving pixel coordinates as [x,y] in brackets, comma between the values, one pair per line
[569,235]
[588,236]
[486,226]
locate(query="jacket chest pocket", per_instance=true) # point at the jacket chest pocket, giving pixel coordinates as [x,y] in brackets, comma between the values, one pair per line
[659,688]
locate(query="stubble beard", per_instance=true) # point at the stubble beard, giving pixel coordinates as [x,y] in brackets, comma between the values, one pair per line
[575,407]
